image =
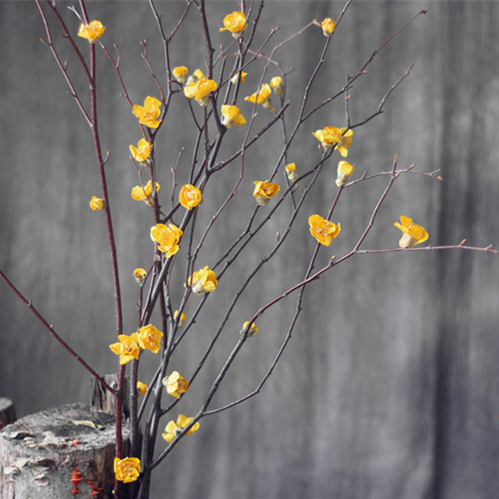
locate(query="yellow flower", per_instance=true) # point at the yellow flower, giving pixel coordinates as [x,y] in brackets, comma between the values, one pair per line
[141,388]
[235,23]
[127,348]
[323,230]
[182,319]
[340,138]
[175,384]
[291,172]
[203,281]
[251,331]
[345,169]
[149,113]
[141,152]
[413,233]
[140,193]
[173,429]
[150,338]
[140,275]
[91,32]
[264,191]
[127,470]
[238,76]
[167,238]
[200,87]
[232,116]
[180,73]
[328,26]
[97,204]
[276,84]
[190,196]
[262,97]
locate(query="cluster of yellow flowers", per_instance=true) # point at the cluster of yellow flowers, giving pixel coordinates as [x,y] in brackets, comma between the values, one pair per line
[129,347]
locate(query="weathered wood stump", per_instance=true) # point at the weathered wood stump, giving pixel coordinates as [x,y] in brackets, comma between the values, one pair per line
[7,412]
[58,453]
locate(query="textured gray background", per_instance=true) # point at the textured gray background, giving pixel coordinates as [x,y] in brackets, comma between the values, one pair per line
[389,388]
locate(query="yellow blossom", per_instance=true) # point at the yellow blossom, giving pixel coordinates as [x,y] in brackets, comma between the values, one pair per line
[249,331]
[276,84]
[413,233]
[232,116]
[262,97]
[141,152]
[140,193]
[328,26]
[340,138]
[345,169]
[127,348]
[141,388]
[200,87]
[174,428]
[180,73]
[264,191]
[150,338]
[127,470]
[291,172]
[323,230]
[91,32]
[175,384]
[235,23]
[190,196]
[238,76]
[203,281]
[167,238]
[182,319]
[139,274]
[97,204]
[149,113]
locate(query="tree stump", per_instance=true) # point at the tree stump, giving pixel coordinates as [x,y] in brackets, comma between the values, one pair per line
[7,412]
[58,453]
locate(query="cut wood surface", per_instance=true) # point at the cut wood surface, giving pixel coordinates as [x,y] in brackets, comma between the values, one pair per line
[58,453]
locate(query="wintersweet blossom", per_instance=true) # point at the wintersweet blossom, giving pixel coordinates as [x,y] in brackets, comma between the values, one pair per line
[276,84]
[340,138]
[167,238]
[328,26]
[345,169]
[150,338]
[141,388]
[174,428]
[203,281]
[200,87]
[291,172]
[149,113]
[262,97]
[142,152]
[182,319]
[235,23]
[180,73]
[127,470]
[238,76]
[231,115]
[91,32]
[413,233]
[140,193]
[139,274]
[97,204]
[127,348]
[323,230]
[190,196]
[264,191]
[249,331]
[175,384]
